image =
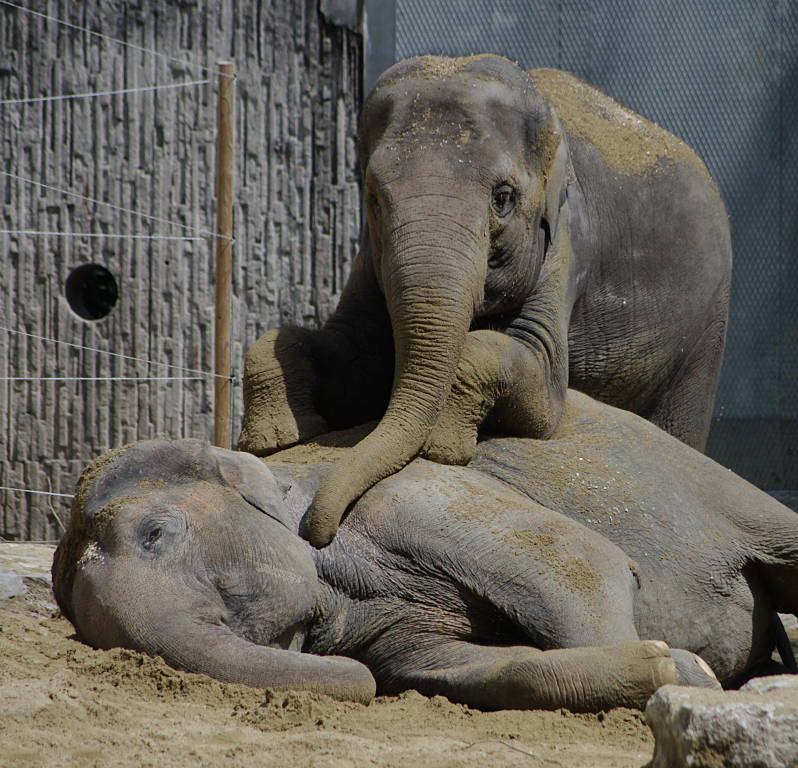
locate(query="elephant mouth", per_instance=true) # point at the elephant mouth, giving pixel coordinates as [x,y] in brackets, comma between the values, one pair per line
[292,639]
[511,281]
[492,322]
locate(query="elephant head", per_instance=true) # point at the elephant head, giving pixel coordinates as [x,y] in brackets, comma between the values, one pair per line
[464,171]
[182,550]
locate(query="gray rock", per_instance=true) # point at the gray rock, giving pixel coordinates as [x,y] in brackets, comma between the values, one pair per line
[26,559]
[11,585]
[755,727]
[787,683]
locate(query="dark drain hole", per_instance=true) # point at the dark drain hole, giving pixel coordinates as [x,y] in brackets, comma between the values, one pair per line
[91,291]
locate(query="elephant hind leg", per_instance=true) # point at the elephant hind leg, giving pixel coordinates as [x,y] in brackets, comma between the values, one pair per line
[588,679]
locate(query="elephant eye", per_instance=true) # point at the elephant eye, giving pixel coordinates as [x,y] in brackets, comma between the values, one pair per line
[151,537]
[503,202]
[159,533]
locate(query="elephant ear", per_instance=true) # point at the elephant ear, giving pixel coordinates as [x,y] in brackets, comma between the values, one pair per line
[249,477]
[559,176]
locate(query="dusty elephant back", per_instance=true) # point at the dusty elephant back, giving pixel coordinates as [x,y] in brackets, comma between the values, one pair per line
[629,143]
[624,477]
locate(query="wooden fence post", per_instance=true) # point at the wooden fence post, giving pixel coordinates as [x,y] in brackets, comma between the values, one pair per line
[222,405]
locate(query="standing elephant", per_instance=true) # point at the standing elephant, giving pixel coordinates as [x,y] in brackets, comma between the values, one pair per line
[546,574]
[524,233]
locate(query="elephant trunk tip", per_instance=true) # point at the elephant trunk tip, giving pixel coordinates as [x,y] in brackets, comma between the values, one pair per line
[332,501]
[323,521]
[379,455]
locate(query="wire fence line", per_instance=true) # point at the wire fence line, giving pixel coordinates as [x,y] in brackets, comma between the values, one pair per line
[202,374]
[113,207]
[93,94]
[38,493]
[110,235]
[53,542]
[116,40]
[102,378]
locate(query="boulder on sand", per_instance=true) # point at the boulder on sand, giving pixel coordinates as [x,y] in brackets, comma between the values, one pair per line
[755,726]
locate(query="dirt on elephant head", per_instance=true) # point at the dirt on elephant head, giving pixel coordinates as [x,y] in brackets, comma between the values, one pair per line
[81,531]
[442,67]
[434,67]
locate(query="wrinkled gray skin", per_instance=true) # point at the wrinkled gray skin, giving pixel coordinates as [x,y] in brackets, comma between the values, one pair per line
[524,233]
[527,579]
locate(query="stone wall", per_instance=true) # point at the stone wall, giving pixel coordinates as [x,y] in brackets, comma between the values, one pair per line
[296,216]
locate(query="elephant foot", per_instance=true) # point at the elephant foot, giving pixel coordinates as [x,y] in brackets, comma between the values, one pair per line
[268,429]
[584,679]
[627,674]
[693,670]
[278,398]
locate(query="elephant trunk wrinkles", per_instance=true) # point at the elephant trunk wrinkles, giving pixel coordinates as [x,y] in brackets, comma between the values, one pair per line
[217,652]
[433,281]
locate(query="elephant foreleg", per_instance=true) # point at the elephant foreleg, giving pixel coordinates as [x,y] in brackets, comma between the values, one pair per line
[278,392]
[300,383]
[512,385]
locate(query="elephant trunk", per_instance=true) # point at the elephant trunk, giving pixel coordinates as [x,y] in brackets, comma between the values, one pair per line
[219,653]
[433,281]
[154,613]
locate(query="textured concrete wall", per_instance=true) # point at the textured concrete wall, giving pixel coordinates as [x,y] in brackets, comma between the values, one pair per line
[296,217]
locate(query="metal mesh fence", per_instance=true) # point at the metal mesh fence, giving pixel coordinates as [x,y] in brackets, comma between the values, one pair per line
[722,75]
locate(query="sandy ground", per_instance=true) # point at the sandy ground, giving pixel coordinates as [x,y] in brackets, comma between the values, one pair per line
[65,704]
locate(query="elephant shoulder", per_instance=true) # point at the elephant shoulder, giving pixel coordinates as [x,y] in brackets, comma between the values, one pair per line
[629,144]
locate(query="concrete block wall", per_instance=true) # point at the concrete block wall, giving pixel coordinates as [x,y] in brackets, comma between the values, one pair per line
[296,216]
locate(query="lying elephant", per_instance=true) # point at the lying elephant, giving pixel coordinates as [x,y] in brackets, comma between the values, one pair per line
[525,580]
[524,233]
